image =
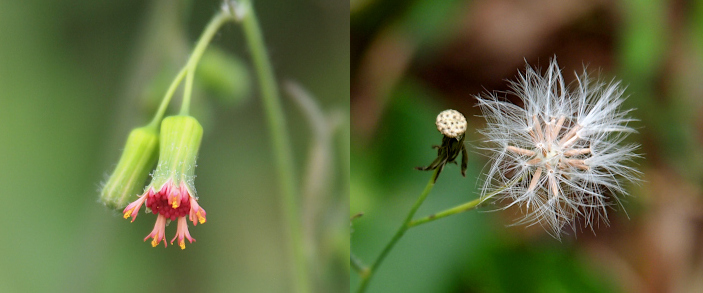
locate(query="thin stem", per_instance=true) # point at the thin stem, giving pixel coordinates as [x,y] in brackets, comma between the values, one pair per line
[367,277]
[187,93]
[281,146]
[463,207]
[167,99]
[448,212]
[217,21]
[188,70]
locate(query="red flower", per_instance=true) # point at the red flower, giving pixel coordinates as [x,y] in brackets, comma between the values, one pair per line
[171,194]
[169,203]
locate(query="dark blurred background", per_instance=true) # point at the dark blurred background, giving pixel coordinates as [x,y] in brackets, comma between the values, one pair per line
[412,59]
[76,76]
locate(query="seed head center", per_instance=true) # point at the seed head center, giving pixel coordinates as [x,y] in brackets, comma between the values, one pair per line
[552,157]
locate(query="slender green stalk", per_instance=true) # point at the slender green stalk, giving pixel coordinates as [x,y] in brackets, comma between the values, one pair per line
[281,146]
[365,278]
[367,273]
[167,99]
[463,207]
[448,212]
[189,69]
[217,21]
[187,92]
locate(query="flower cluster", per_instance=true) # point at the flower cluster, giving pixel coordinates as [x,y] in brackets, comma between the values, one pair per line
[561,156]
[171,193]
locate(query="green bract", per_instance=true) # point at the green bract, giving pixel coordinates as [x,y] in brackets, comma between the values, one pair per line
[137,159]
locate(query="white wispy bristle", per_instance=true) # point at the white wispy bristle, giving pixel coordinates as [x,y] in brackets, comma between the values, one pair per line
[561,155]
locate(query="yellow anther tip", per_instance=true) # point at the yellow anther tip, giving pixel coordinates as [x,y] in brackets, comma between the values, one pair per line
[182,244]
[154,243]
[127,214]
[175,204]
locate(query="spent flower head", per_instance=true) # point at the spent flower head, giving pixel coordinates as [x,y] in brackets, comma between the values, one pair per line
[171,193]
[561,156]
[452,124]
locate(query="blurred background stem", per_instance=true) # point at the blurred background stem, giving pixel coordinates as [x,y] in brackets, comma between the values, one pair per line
[281,147]
[366,277]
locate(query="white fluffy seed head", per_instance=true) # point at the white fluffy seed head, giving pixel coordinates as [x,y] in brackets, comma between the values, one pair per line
[561,155]
[451,123]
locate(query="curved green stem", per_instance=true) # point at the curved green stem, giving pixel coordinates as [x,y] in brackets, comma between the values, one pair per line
[448,212]
[217,21]
[187,92]
[167,99]
[281,146]
[463,207]
[188,71]
[409,223]
[365,278]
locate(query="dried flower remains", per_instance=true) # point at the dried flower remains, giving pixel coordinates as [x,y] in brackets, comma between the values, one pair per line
[452,124]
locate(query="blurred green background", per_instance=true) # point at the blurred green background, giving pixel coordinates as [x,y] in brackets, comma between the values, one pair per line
[412,59]
[76,76]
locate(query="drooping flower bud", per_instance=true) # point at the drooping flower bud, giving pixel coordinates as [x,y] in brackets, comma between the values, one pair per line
[138,158]
[171,193]
[180,141]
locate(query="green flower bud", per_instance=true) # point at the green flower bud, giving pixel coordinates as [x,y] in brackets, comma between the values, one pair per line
[180,141]
[137,159]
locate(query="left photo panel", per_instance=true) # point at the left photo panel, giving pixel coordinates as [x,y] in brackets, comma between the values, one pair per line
[174,146]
